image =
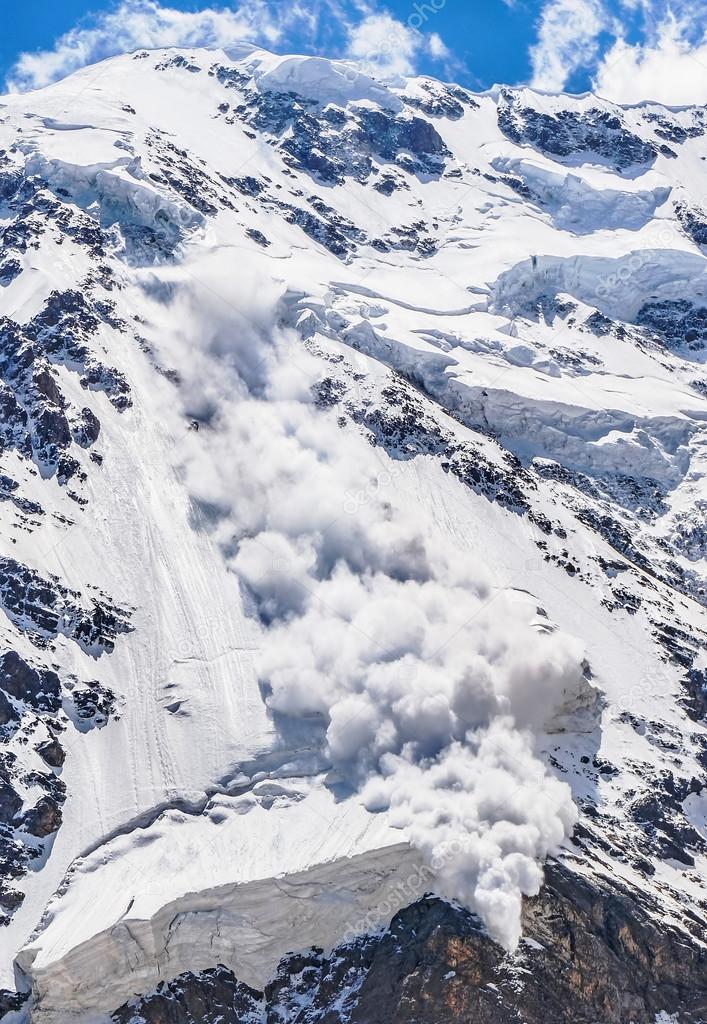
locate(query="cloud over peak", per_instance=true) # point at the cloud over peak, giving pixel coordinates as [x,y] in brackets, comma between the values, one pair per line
[389,48]
[385,46]
[145,23]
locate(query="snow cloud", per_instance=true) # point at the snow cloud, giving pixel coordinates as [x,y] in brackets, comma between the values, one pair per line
[425,683]
[437,47]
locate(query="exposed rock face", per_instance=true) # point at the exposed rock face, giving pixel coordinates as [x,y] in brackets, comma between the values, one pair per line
[567,133]
[676,323]
[330,144]
[39,687]
[592,953]
[694,222]
[43,819]
[38,420]
[46,608]
[35,709]
[672,130]
[40,423]
[213,995]
[440,100]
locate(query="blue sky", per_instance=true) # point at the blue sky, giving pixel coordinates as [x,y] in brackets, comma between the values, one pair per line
[491,39]
[626,49]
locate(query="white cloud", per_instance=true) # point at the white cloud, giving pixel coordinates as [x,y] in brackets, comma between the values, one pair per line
[146,23]
[668,64]
[384,46]
[437,47]
[388,48]
[568,39]
[669,67]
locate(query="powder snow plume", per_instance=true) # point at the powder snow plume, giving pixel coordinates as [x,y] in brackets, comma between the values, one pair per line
[431,682]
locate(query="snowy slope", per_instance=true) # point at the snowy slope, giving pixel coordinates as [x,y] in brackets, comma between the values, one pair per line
[353,512]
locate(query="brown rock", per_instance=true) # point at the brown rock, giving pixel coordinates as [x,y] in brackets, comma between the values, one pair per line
[43,819]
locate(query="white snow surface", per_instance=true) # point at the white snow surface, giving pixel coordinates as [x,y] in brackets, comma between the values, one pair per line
[345,663]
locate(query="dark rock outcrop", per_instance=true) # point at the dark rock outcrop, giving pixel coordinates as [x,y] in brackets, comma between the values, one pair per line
[440,100]
[42,819]
[52,752]
[331,144]
[593,953]
[693,221]
[38,687]
[212,995]
[45,608]
[676,322]
[571,135]
[671,130]
[37,419]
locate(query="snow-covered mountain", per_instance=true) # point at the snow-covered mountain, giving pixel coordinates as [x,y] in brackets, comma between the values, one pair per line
[354,552]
